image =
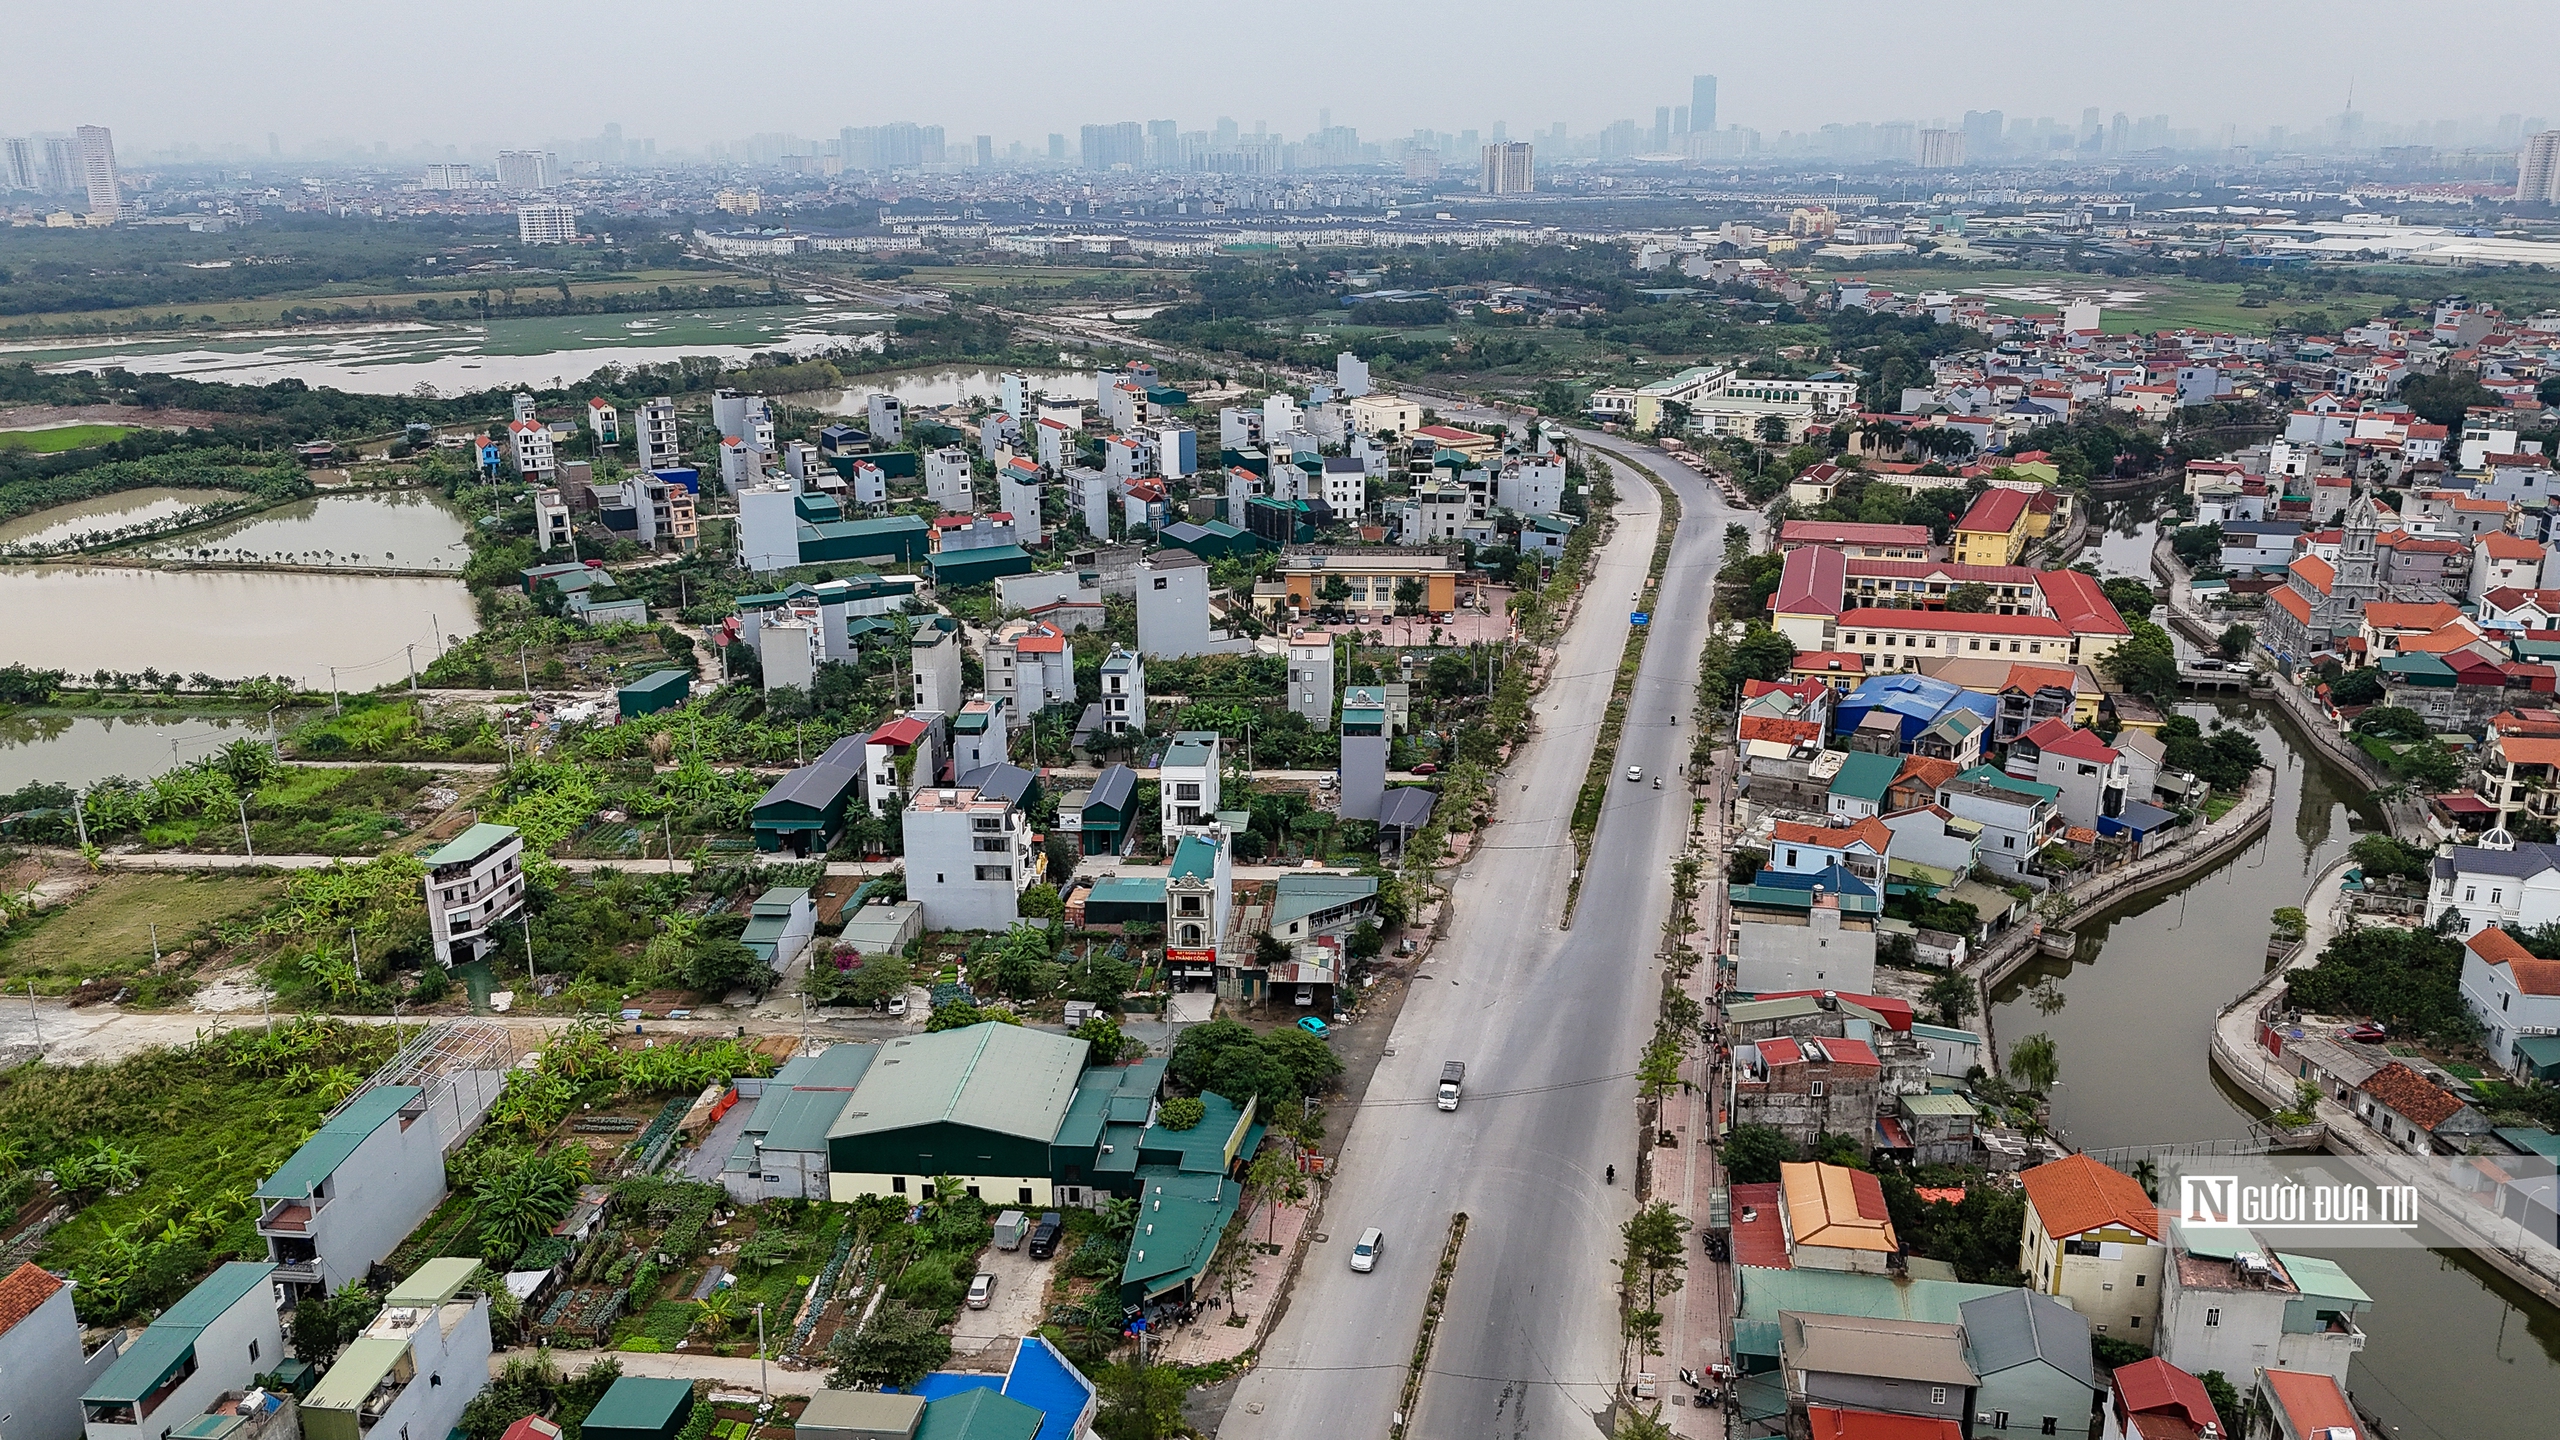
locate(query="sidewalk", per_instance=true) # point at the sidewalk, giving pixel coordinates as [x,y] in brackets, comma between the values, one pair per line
[1696,1320]
[1213,1337]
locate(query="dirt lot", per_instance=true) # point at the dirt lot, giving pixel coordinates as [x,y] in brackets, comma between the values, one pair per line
[47,417]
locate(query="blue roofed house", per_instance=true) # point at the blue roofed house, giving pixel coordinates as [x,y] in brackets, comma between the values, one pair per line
[354,1191]
[219,1337]
[1040,1396]
[1889,713]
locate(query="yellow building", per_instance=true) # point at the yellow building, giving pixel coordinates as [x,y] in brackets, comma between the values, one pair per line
[2093,1239]
[1996,530]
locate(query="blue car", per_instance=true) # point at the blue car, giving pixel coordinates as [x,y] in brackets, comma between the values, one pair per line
[1312,1025]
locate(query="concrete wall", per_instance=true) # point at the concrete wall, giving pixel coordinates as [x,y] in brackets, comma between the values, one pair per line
[387,1188]
[999,1190]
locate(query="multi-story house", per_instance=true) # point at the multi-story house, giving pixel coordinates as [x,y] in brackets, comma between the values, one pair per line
[970,853]
[1311,677]
[933,659]
[2516,999]
[1806,1088]
[1199,891]
[1124,691]
[42,1367]
[355,1189]
[604,422]
[220,1336]
[1030,664]
[2018,817]
[2503,882]
[475,883]
[2092,778]
[1188,782]
[2230,1303]
[421,1360]
[2520,770]
[2093,1238]
[536,460]
[653,431]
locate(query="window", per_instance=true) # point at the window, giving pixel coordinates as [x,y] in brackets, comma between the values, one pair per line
[2470,893]
[992,843]
[1937,1394]
[1999,1419]
[2050,1421]
[897,1184]
[1819,1089]
[1024,1194]
[2008,842]
[2137,1282]
[2213,1318]
[253,1351]
[2134,1321]
[1159,585]
[995,872]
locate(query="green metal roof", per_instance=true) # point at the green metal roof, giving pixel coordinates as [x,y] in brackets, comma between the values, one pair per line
[1196,858]
[1202,1149]
[166,1343]
[2000,779]
[435,1282]
[2322,1279]
[1295,897]
[1191,747]
[1181,1216]
[1865,776]
[637,1402]
[470,845]
[979,1413]
[324,1152]
[802,1102]
[1837,1292]
[360,1368]
[2531,1141]
[1000,1078]
[655,684]
[1127,890]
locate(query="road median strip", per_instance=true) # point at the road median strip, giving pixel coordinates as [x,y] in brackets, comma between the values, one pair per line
[1604,749]
[1430,1326]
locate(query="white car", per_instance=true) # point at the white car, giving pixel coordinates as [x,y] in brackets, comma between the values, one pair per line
[1364,1256]
[1634,773]
[982,1290]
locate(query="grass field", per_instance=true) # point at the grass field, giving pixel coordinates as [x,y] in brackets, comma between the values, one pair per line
[106,932]
[2130,304]
[62,437]
[267,310]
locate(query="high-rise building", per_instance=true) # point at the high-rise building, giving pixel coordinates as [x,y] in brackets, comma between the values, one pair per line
[1679,120]
[61,165]
[2538,170]
[1509,169]
[986,152]
[446,177]
[1108,145]
[98,170]
[547,224]
[1164,144]
[1057,148]
[527,171]
[1941,149]
[20,169]
[1702,103]
[1661,127]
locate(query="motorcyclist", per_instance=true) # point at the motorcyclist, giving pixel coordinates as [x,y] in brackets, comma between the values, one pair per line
[1612,1173]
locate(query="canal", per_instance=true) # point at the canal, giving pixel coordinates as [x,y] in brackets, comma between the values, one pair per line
[2455,1349]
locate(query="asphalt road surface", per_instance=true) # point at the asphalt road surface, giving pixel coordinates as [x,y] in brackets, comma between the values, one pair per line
[1550,1023]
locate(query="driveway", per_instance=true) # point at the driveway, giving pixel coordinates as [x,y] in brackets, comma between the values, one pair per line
[1021,1298]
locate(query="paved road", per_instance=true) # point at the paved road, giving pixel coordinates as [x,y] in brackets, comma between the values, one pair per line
[1550,1023]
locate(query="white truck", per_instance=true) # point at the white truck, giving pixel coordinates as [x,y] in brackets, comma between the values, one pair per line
[1452,1075]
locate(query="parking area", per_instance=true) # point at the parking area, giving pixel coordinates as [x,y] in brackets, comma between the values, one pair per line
[1020,1305]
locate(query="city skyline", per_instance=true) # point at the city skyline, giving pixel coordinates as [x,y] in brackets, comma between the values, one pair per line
[1519,66]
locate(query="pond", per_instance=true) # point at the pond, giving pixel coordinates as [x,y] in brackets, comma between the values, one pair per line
[230,624]
[407,530]
[79,750]
[104,513]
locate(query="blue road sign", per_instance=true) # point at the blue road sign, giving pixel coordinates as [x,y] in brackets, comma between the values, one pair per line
[1640,618]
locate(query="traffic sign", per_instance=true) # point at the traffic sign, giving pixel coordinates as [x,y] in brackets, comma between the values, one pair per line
[1640,618]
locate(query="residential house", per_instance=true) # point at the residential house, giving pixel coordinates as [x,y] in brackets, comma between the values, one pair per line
[1932,850]
[2513,995]
[2500,561]
[2290,1404]
[1031,665]
[1858,790]
[1834,1218]
[1861,541]
[423,1357]
[42,1367]
[2093,1237]
[1994,530]
[1807,1088]
[1103,817]
[2415,1113]
[344,1201]
[980,735]
[1124,691]
[474,885]
[1898,1367]
[2032,1355]
[1310,683]
[1800,931]
[804,811]
[933,658]
[1937,1127]
[2090,777]
[2152,1399]
[1174,610]
[1199,906]
[2229,1303]
[1187,778]
[1862,849]
[2018,817]
[970,853]
[780,923]
[219,1337]
[1307,906]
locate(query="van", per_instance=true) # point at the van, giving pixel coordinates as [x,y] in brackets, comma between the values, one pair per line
[1364,1256]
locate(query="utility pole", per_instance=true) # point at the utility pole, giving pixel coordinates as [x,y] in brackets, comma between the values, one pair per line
[763,1382]
[531,979]
[413,668]
[670,822]
[79,822]
[155,945]
[524,669]
[438,625]
[335,708]
[35,1023]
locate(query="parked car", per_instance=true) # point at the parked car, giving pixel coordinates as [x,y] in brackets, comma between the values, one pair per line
[1364,1255]
[982,1290]
[1426,768]
[1312,1025]
[897,1004]
[2371,1032]
[1044,1236]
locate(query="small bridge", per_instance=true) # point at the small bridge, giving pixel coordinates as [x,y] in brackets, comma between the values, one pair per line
[2125,1157]
[2232,682]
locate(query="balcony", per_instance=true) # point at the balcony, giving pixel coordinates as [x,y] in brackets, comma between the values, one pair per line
[291,1217]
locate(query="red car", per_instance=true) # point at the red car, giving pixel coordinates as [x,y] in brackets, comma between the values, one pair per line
[1426,768]
[2368,1033]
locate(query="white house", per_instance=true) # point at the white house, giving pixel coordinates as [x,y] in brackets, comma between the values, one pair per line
[604,422]
[1124,691]
[1173,609]
[42,1369]
[970,853]
[2505,882]
[1311,677]
[946,480]
[344,1201]
[220,1336]
[1188,783]
[1030,664]
[2230,1303]
[475,884]
[422,1359]
[535,459]
[2513,995]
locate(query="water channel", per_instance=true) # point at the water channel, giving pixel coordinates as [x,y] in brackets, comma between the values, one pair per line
[2455,1349]
[105,514]
[80,750]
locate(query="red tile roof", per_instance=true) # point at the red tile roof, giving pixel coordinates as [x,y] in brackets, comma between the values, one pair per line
[2077,600]
[1761,1238]
[22,1290]
[2312,1402]
[1995,512]
[2411,1096]
[1811,582]
[2153,1384]
[2320,573]
[1877,617]
[1782,732]
[2388,615]
[1832,1423]
[1814,661]
[2499,545]
[2076,1194]
[1850,532]
[2293,602]
[1930,774]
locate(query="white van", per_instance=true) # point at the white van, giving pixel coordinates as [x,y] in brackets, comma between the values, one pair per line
[1364,1256]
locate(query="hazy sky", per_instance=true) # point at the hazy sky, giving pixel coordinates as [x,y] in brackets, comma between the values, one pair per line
[476,73]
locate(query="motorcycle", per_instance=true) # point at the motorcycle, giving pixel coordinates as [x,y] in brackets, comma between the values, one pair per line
[1657,782]
[1611,1175]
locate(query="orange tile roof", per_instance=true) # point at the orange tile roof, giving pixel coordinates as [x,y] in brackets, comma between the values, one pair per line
[1783,732]
[1830,1422]
[2293,602]
[2411,1096]
[1930,773]
[2443,641]
[1832,1205]
[2076,1194]
[2312,1402]
[2533,976]
[1996,512]
[2390,615]
[2530,749]
[2502,546]
[2319,572]
[22,1290]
